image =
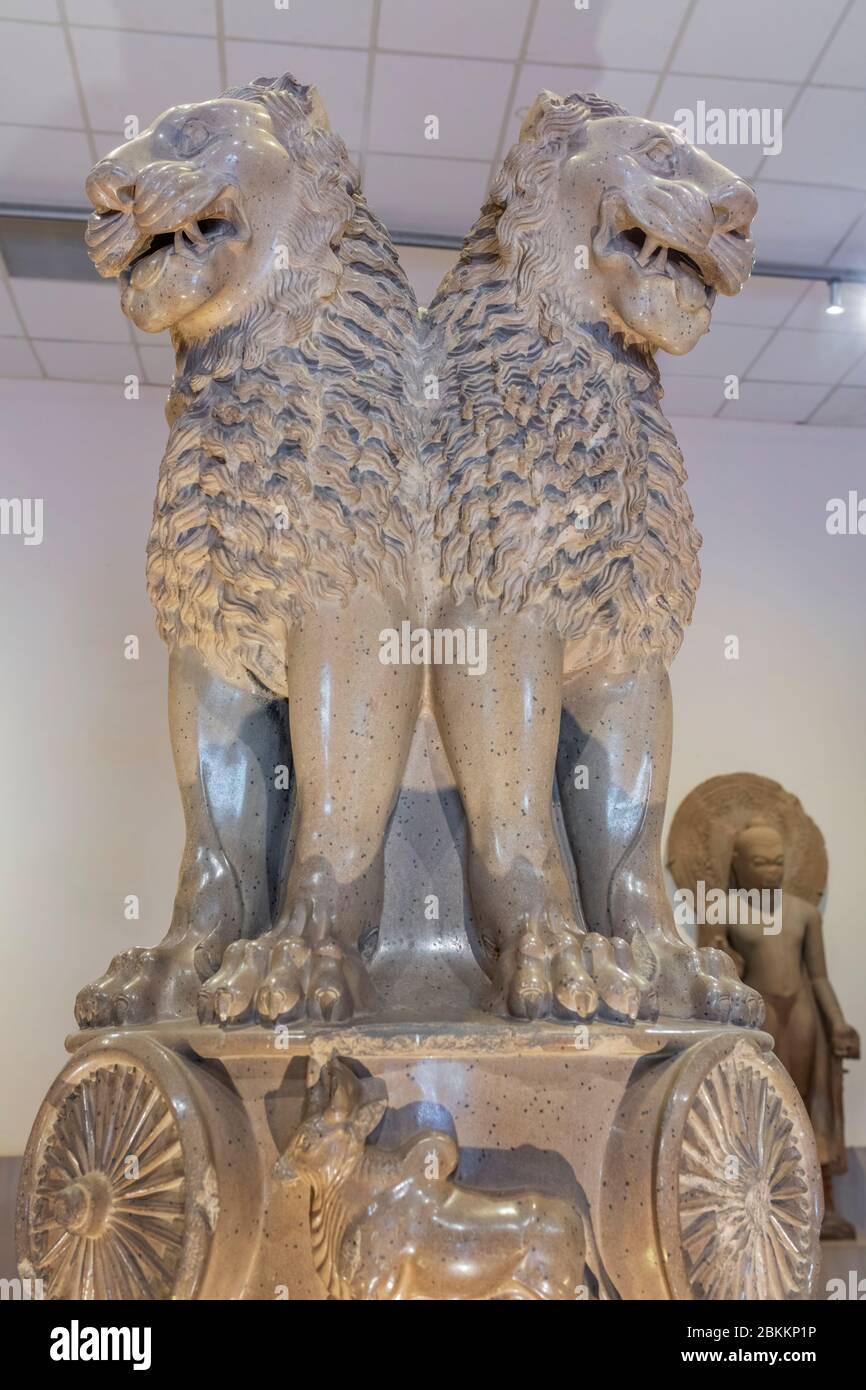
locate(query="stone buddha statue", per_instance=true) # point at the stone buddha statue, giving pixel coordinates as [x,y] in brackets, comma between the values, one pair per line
[773,932]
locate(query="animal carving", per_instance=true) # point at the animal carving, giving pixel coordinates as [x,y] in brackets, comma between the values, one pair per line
[280,548]
[312,498]
[563,529]
[394,1224]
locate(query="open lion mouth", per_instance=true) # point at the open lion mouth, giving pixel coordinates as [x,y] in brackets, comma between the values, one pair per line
[699,257]
[193,240]
[138,239]
[655,258]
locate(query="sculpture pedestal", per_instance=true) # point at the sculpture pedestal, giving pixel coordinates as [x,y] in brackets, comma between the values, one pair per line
[153,1167]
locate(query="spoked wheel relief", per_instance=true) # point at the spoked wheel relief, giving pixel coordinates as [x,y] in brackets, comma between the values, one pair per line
[120,1194]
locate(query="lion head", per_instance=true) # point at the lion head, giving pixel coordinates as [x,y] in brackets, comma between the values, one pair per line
[615,219]
[213,203]
[289,477]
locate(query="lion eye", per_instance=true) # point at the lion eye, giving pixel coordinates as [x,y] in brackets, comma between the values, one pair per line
[659,152]
[192,137]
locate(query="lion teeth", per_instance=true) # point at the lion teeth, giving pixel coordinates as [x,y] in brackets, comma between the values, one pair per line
[649,246]
[662,259]
[188,235]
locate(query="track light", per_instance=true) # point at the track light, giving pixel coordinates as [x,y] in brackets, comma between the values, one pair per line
[835,306]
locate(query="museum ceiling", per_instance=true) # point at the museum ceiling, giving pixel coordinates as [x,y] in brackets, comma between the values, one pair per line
[383,67]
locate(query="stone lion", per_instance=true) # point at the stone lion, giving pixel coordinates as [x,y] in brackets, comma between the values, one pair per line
[280,547]
[563,528]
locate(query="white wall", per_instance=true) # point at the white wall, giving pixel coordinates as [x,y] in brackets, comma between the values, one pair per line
[792,706]
[89,810]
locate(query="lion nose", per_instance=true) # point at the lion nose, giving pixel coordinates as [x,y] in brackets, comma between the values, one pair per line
[734,206]
[111,186]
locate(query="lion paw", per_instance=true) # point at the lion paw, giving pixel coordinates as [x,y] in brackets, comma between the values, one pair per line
[702,983]
[527,975]
[744,1005]
[228,996]
[147,983]
[297,970]
[94,1004]
[618,987]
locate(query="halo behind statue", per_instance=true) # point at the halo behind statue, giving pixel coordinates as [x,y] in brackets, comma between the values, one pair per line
[701,839]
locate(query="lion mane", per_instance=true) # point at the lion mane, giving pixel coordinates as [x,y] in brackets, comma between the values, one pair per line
[282,486]
[556,479]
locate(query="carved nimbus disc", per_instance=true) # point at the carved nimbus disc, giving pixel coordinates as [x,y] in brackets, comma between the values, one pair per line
[117,1196]
[738,1191]
[702,834]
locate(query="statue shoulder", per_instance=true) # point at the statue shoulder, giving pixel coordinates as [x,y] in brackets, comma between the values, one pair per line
[431,1154]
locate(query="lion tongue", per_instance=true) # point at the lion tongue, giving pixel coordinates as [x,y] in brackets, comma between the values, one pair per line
[148,270]
[691,291]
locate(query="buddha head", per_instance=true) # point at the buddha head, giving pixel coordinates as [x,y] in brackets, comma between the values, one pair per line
[758,859]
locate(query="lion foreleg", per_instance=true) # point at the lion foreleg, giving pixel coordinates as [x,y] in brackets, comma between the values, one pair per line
[613,766]
[499,731]
[352,716]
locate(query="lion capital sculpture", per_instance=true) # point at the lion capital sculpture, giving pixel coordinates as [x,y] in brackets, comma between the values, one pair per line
[310,499]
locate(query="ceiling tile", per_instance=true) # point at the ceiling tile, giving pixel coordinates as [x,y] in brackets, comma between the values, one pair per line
[37,10]
[691,396]
[823,139]
[802,223]
[109,362]
[745,39]
[467,97]
[857,374]
[763,302]
[36,76]
[852,252]
[9,324]
[343,23]
[796,356]
[724,350]
[71,309]
[811,311]
[485,29]
[843,61]
[771,400]
[728,93]
[425,268]
[158,365]
[633,90]
[845,406]
[17,358]
[614,34]
[443,196]
[142,74]
[190,17]
[340,75]
[40,166]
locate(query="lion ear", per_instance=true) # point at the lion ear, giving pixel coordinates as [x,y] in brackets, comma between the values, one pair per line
[316,113]
[544,103]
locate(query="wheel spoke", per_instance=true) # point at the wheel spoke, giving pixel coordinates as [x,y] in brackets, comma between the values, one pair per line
[126,1234]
